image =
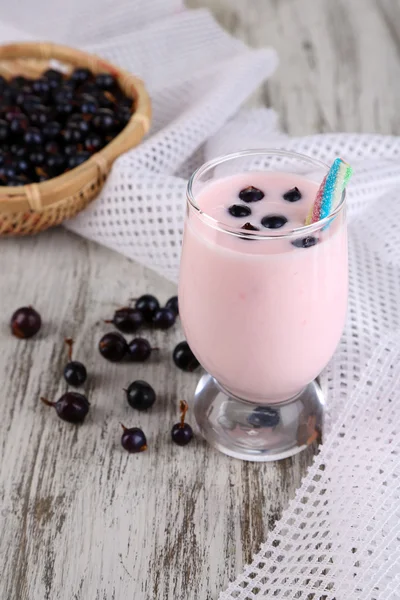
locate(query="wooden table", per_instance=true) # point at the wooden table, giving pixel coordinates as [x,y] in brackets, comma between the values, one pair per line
[81,519]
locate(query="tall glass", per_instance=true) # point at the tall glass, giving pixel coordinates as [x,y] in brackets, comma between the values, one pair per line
[263,312]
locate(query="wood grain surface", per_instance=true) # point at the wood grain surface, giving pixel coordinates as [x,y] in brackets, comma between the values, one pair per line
[79,518]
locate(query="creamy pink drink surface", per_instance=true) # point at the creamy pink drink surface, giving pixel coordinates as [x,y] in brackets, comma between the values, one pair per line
[263,316]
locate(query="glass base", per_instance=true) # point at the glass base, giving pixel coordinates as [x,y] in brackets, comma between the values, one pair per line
[254,432]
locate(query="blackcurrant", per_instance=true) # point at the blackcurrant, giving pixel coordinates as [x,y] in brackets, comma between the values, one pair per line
[140,395]
[148,305]
[72,407]
[113,346]
[25,322]
[184,358]
[133,439]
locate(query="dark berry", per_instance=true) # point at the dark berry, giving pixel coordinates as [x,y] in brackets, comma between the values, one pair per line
[79,122]
[140,395]
[72,407]
[273,221]
[51,130]
[39,116]
[182,433]
[80,75]
[88,105]
[18,124]
[93,143]
[148,305]
[306,242]
[75,373]
[55,164]
[63,94]
[164,318]
[70,150]
[140,350]
[292,195]
[238,210]
[72,135]
[4,130]
[29,102]
[251,194]
[173,305]
[77,159]
[19,81]
[105,81]
[52,147]
[53,77]
[127,319]
[25,322]
[264,416]
[184,358]
[33,137]
[124,114]
[249,227]
[105,121]
[133,440]
[113,346]
[18,151]
[41,87]
[64,109]
[7,172]
[22,166]
[37,158]
[88,88]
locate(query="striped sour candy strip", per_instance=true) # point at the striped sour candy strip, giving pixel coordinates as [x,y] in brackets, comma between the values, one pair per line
[330,191]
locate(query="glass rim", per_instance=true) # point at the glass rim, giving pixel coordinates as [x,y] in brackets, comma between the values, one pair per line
[304,230]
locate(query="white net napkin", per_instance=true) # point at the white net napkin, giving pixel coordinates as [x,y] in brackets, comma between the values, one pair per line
[339,538]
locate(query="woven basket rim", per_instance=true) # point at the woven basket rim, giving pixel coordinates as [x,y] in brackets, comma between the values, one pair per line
[38,196]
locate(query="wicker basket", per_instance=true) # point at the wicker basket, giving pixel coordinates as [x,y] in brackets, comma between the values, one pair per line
[35,207]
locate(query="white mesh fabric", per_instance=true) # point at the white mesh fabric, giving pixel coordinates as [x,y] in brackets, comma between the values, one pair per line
[339,539]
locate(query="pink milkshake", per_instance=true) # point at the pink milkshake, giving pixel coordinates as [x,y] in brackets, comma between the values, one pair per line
[262,298]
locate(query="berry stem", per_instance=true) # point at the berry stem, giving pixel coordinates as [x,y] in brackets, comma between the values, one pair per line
[47,402]
[123,427]
[108,321]
[70,343]
[183,407]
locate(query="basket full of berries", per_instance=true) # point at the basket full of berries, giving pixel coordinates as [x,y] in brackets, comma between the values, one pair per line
[65,116]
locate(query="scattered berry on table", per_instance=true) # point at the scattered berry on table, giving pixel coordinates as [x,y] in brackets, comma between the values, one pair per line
[72,407]
[140,395]
[74,371]
[164,318]
[148,305]
[184,358]
[139,349]
[113,346]
[127,319]
[173,305]
[133,439]
[182,433]
[25,322]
